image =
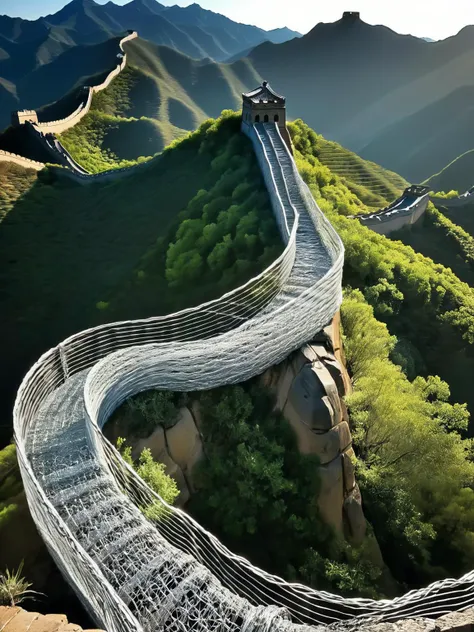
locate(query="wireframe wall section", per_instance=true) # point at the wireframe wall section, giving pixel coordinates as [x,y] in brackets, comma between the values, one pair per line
[87,502]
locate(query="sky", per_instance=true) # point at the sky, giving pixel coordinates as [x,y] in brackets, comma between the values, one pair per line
[436,19]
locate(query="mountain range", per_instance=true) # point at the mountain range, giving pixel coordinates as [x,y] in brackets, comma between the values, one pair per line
[29,49]
[395,99]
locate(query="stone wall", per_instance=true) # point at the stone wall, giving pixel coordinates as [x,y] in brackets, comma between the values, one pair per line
[462,200]
[390,220]
[16,619]
[60,126]
[6,156]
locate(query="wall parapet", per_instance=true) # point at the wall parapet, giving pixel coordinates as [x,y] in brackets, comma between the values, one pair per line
[405,211]
[6,156]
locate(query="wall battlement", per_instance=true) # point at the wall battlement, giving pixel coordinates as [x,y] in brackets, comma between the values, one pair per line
[6,156]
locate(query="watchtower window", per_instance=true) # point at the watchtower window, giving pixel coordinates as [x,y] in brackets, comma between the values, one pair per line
[257,118]
[276,118]
[265,119]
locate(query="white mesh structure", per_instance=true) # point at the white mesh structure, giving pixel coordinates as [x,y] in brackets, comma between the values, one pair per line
[135,562]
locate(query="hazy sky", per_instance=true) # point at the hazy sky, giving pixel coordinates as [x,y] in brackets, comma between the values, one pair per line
[426,18]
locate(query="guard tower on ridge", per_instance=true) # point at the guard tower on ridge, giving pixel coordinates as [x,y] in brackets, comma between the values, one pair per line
[264,105]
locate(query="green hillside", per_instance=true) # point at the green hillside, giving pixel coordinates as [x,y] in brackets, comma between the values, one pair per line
[68,252]
[457,176]
[160,96]
[374,186]
[197,221]
[430,313]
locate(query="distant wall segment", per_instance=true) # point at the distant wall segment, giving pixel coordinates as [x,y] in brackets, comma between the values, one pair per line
[405,211]
[6,156]
[60,126]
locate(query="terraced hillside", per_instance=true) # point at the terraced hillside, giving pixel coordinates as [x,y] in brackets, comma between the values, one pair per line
[373,185]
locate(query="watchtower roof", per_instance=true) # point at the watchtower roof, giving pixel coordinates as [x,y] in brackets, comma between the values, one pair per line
[264,94]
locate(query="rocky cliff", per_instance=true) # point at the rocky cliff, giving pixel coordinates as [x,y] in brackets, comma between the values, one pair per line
[18,620]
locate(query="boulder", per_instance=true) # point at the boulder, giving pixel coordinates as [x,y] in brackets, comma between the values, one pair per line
[325,445]
[355,516]
[173,470]
[196,413]
[283,385]
[330,388]
[184,441]
[348,470]
[344,433]
[156,442]
[331,495]
[307,400]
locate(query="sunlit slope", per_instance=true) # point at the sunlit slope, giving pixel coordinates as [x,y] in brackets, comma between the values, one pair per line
[373,185]
[159,96]
[73,256]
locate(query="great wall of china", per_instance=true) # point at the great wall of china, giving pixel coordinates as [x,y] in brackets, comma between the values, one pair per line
[135,574]
[41,129]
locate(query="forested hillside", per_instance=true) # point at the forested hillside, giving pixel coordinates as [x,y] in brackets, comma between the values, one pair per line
[159,96]
[196,222]
[68,253]
[406,319]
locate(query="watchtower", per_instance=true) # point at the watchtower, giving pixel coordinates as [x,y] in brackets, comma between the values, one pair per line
[264,105]
[351,15]
[22,116]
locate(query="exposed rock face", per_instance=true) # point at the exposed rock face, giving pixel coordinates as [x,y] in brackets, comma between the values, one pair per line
[453,622]
[309,388]
[179,448]
[18,620]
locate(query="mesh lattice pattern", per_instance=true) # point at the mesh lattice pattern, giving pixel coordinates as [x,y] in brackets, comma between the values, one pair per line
[136,563]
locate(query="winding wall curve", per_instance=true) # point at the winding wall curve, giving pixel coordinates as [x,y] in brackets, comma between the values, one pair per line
[6,156]
[60,126]
[167,572]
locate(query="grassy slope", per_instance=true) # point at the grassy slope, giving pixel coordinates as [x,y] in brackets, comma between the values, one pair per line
[157,98]
[15,181]
[457,176]
[374,186]
[64,248]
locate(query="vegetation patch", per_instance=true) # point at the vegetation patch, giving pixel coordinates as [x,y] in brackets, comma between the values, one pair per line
[402,431]
[259,494]
[15,181]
